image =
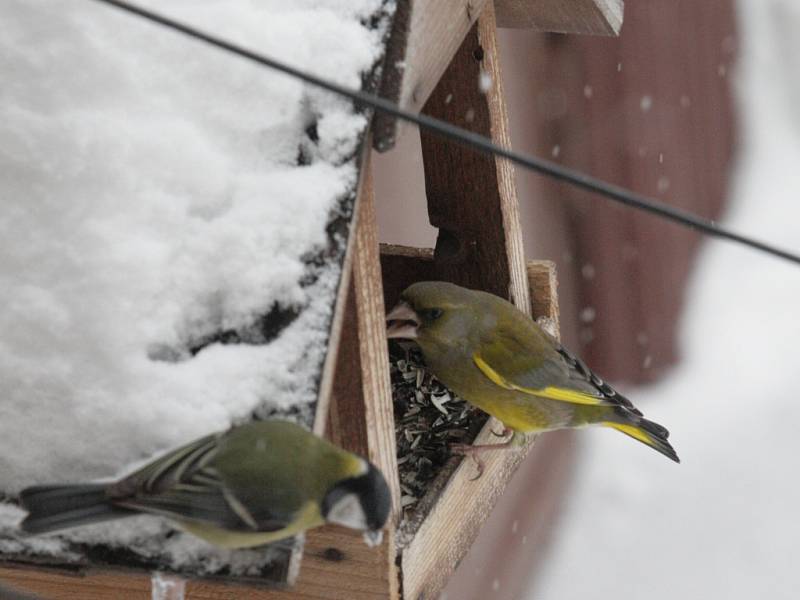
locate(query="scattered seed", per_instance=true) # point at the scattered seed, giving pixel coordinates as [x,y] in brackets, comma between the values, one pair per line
[428,420]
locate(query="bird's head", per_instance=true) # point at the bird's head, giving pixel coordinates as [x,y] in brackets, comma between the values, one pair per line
[362,502]
[433,312]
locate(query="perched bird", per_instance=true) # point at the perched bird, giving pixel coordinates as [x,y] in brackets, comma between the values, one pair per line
[248,486]
[494,356]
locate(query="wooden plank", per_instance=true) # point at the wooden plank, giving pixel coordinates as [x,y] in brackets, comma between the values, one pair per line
[543,286]
[425,36]
[63,585]
[457,504]
[337,566]
[361,416]
[472,197]
[516,537]
[598,17]
[332,362]
[377,388]
[402,266]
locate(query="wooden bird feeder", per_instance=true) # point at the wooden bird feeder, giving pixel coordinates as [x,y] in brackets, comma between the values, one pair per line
[437,52]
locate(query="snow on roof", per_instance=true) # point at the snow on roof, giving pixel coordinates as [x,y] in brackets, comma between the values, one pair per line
[160,200]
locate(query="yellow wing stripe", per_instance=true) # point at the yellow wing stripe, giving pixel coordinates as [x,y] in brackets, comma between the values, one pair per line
[549,392]
[565,395]
[491,373]
[631,430]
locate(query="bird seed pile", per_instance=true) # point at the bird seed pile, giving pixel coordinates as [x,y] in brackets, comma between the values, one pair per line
[428,419]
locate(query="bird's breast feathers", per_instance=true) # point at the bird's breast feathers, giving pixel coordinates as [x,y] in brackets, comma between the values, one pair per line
[307,517]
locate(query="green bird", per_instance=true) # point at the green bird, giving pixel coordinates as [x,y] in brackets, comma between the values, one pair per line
[251,485]
[493,355]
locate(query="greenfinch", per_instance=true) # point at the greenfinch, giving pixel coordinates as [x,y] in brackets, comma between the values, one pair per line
[494,356]
[251,485]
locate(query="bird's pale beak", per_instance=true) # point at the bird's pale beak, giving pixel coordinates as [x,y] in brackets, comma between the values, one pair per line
[402,322]
[373,538]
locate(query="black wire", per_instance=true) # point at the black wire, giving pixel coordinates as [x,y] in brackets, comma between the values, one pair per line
[474,140]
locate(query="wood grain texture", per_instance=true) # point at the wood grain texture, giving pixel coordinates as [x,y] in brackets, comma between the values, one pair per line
[337,566]
[377,387]
[360,416]
[516,537]
[598,17]
[424,38]
[543,285]
[472,197]
[332,362]
[401,266]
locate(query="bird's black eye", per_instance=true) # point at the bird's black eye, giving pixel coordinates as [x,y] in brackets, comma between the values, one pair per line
[432,314]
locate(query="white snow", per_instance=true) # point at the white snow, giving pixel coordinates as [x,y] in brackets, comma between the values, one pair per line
[164,587]
[724,523]
[152,197]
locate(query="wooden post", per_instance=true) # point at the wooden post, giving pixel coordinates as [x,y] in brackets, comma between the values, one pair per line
[336,562]
[472,196]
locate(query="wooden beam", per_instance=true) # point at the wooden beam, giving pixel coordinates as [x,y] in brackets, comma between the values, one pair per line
[542,284]
[337,565]
[597,17]
[425,36]
[472,197]
[360,416]
[517,536]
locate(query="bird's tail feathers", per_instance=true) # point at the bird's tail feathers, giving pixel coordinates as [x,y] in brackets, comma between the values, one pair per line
[54,507]
[647,432]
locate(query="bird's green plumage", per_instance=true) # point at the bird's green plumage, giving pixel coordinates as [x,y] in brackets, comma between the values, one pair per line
[496,357]
[250,485]
[258,477]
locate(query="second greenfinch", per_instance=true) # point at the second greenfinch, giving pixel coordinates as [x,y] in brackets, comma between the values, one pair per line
[251,485]
[494,356]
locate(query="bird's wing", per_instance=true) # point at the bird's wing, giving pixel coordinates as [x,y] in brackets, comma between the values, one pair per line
[512,361]
[182,485]
[579,372]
